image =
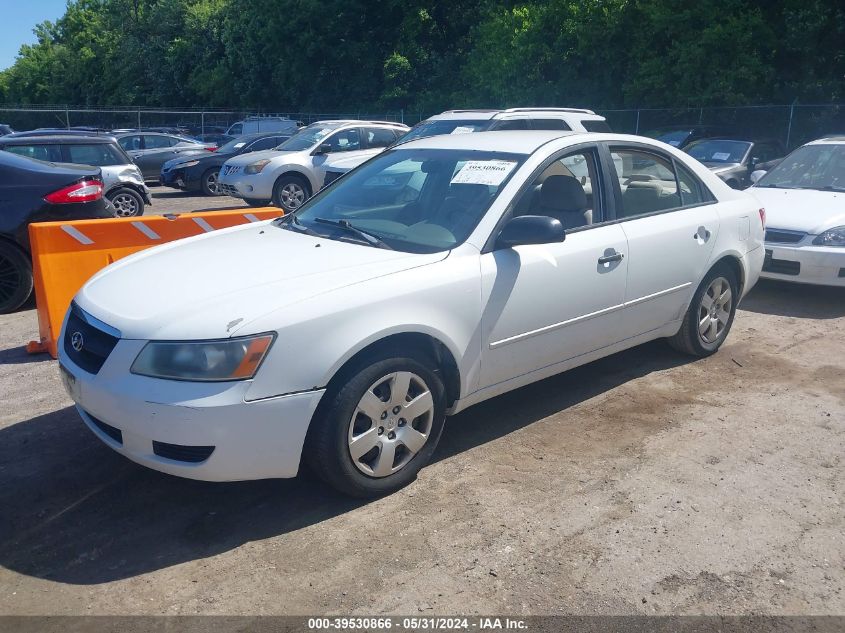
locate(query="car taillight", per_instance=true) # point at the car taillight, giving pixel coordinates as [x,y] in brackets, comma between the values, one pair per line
[763,217]
[212,149]
[83,191]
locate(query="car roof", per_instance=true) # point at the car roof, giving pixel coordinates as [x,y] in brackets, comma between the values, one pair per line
[837,139]
[510,141]
[485,114]
[340,122]
[60,139]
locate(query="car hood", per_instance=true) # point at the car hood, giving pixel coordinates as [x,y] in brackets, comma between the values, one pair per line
[804,210]
[189,290]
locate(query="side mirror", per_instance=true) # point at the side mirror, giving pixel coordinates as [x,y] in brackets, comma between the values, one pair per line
[325,148]
[757,175]
[530,229]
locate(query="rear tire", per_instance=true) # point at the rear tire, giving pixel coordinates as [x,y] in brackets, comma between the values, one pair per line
[363,440]
[290,192]
[710,314]
[127,202]
[209,182]
[15,277]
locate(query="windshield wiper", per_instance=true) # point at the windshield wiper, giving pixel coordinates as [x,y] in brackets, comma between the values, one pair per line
[292,221]
[369,238]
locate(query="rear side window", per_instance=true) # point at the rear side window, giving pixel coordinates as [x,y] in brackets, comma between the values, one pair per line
[596,126]
[99,155]
[158,142]
[511,124]
[647,182]
[129,143]
[692,190]
[549,124]
[379,137]
[50,153]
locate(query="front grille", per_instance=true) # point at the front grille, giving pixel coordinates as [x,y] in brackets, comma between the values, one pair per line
[783,236]
[228,190]
[780,266]
[179,453]
[112,432]
[231,169]
[94,345]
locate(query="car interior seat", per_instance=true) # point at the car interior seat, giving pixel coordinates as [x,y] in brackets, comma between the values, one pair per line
[563,198]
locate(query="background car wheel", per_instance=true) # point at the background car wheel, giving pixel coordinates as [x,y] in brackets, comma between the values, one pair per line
[256,203]
[209,182]
[15,277]
[127,202]
[290,192]
[710,314]
[377,426]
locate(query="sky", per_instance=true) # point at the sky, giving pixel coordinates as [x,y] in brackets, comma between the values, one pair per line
[19,17]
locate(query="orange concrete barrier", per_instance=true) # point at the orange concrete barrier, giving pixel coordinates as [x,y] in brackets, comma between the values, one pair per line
[67,254]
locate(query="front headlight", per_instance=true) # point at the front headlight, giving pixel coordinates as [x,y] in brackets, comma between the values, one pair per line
[190,163]
[256,167]
[831,237]
[203,361]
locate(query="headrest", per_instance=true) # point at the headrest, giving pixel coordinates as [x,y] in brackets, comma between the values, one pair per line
[563,193]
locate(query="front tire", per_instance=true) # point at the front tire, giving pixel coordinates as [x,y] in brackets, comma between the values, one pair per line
[290,192]
[128,203]
[378,426]
[710,314]
[15,278]
[209,182]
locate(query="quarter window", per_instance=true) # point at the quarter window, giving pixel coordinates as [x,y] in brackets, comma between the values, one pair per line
[647,182]
[595,126]
[549,124]
[511,124]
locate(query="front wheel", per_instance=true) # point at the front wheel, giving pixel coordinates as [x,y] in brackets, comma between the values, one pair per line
[128,203]
[209,182]
[290,192]
[379,427]
[710,314]
[15,278]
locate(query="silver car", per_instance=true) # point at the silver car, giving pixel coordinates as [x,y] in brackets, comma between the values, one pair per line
[288,175]
[122,179]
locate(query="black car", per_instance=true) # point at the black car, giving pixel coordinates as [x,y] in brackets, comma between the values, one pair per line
[682,135]
[36,191]
[199,173]
[734,159]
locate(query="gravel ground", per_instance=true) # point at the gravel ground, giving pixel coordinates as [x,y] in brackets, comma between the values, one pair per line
[169,200]
[644,483]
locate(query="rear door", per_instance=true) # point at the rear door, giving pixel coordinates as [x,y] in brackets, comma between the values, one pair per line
[671,221]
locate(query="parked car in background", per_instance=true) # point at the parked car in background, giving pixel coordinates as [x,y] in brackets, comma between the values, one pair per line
[150,150]
[37,191]
[201,172]
[295,170]
[733,160]
[5,129]
[804,197]
[215,139]
[468,121]
[682,135]
[252,125]
[51,131]
[443,272]
[123,184]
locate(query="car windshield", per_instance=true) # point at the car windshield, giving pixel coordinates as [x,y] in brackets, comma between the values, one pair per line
[443,126]
[232,146]
[675,138]
[412,200]
[809,167]
[308,136]
[718,151]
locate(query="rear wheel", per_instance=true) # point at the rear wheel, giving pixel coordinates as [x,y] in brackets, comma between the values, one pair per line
[290,192]
[710,314]
[378,427]
[15,277]
[127,202]
[209,182]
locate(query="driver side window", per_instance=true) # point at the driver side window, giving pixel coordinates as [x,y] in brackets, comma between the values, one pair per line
[344,141]
[647,182]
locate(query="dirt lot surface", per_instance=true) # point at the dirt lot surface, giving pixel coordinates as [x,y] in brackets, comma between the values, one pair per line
[643,483]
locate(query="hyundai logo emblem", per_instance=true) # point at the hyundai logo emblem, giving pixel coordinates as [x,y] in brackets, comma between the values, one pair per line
[76,341]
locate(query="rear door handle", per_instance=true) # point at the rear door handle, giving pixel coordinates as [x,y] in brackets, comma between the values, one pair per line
[615,257]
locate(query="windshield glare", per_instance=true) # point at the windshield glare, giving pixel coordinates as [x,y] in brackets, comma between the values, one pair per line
[414,200]
[809,167]
[308,136]
[716,151]
[434,128]
[673,137]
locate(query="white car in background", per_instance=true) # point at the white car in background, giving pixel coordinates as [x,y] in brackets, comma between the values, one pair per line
[468,121]
[291,173]
[441,273]
[804,197]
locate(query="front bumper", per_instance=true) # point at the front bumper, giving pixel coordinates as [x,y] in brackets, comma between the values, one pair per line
[820,265]
[179,178]
[240,185]
[206,431]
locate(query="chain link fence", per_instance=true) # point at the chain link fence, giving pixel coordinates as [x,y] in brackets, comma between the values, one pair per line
[792,125]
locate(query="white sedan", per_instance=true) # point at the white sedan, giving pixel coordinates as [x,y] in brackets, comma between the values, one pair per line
[441,273]
[804,197]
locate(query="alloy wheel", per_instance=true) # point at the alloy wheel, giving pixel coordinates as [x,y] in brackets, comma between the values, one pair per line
[714,312]
[391,424]
[211,183]
[292,195]
[125,205]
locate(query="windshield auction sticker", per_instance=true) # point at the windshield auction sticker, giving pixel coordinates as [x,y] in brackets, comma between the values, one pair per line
[463,129]
[483,172]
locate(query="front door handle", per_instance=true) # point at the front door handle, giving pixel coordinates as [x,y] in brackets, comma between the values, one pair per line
[615,257]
